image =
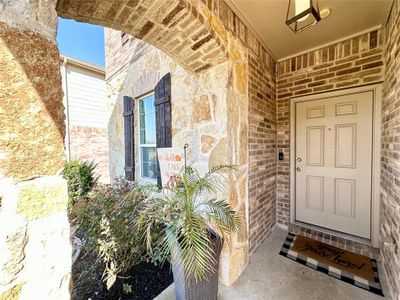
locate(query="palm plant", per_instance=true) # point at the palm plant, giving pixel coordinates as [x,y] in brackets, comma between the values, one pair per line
[191,216]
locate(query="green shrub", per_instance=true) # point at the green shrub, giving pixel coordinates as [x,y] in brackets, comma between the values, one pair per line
[107,221]
[81,179]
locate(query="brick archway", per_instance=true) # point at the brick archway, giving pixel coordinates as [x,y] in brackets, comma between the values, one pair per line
[176,27]
[199,35]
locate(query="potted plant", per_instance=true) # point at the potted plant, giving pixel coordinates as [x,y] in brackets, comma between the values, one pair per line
[193,221]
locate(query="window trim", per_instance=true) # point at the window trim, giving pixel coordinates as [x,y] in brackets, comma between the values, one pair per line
[124,38]
[142,179]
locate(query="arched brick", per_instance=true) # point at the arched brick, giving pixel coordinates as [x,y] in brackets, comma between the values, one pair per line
[176,27]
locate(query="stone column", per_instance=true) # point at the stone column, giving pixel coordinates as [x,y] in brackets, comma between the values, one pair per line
[235,255]
[34,229]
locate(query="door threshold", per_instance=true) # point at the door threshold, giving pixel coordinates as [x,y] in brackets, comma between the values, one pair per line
[335,233]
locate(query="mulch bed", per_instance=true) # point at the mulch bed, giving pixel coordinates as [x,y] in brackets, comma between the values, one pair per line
[147,281]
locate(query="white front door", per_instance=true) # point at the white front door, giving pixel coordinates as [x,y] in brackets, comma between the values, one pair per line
[333,162]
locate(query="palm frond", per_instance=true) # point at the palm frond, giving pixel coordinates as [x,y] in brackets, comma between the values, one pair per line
[186,214]
[194,247]
[220,212]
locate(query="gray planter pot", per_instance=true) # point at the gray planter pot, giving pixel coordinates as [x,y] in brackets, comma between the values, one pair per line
[190,289]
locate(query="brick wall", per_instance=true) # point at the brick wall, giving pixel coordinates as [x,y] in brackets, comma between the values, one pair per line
[390,168]
[262,138]
[353,62]
[337,240]
[120,51]
[90,143]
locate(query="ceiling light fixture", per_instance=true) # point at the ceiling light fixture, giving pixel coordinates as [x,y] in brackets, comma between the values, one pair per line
[302,14]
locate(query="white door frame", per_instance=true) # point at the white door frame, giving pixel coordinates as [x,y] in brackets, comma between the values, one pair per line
[376,152]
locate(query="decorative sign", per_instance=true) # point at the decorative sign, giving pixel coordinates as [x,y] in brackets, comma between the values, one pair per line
[171,161]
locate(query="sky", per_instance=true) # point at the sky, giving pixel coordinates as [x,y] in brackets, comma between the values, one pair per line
[81,41]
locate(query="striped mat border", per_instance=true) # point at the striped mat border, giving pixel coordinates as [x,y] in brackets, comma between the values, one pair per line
[372,286]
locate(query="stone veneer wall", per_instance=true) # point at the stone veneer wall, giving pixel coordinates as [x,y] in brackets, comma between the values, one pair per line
[208,143]
[262,150]
[353,62]
[91,144]
[261,91]
[35,255]
[209,112]
[390,171]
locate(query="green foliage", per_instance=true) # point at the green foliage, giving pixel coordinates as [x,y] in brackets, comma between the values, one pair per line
[156,256]
[81,179]
[186,214]
[107,220]
[127,288]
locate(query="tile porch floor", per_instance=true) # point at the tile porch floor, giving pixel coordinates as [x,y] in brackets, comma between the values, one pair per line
[271,276]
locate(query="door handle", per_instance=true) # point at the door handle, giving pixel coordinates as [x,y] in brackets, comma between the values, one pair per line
[299,159]
[298,169]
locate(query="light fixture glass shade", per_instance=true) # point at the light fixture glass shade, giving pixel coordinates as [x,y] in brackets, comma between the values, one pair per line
[302,14]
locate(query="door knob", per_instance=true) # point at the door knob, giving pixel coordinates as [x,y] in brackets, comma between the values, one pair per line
[298,169]
[299,159]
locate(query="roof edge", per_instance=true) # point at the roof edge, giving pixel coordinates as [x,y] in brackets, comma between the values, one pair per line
[92,67]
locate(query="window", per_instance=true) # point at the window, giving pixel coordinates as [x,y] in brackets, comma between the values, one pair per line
[148,154]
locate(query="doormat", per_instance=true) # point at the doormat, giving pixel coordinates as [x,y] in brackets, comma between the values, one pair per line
[347,266]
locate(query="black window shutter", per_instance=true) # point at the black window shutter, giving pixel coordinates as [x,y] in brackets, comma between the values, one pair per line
[162,103]
[129,107]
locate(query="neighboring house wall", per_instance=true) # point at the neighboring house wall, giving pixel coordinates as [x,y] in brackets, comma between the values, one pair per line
[390,177]
[86,114]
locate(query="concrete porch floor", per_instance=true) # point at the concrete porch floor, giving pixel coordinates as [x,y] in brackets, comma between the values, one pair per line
[271,276]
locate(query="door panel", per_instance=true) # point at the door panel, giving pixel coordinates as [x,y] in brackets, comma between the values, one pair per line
[345,197]
[333,162]
[315,193]
[315,146]
[345,145]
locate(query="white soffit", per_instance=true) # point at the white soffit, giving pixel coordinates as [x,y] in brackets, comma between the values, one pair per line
[348,17]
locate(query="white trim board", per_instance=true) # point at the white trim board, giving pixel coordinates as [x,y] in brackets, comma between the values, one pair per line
[141,179]
[376,154]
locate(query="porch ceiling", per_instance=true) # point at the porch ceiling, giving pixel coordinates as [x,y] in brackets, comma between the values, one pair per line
[267,18]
